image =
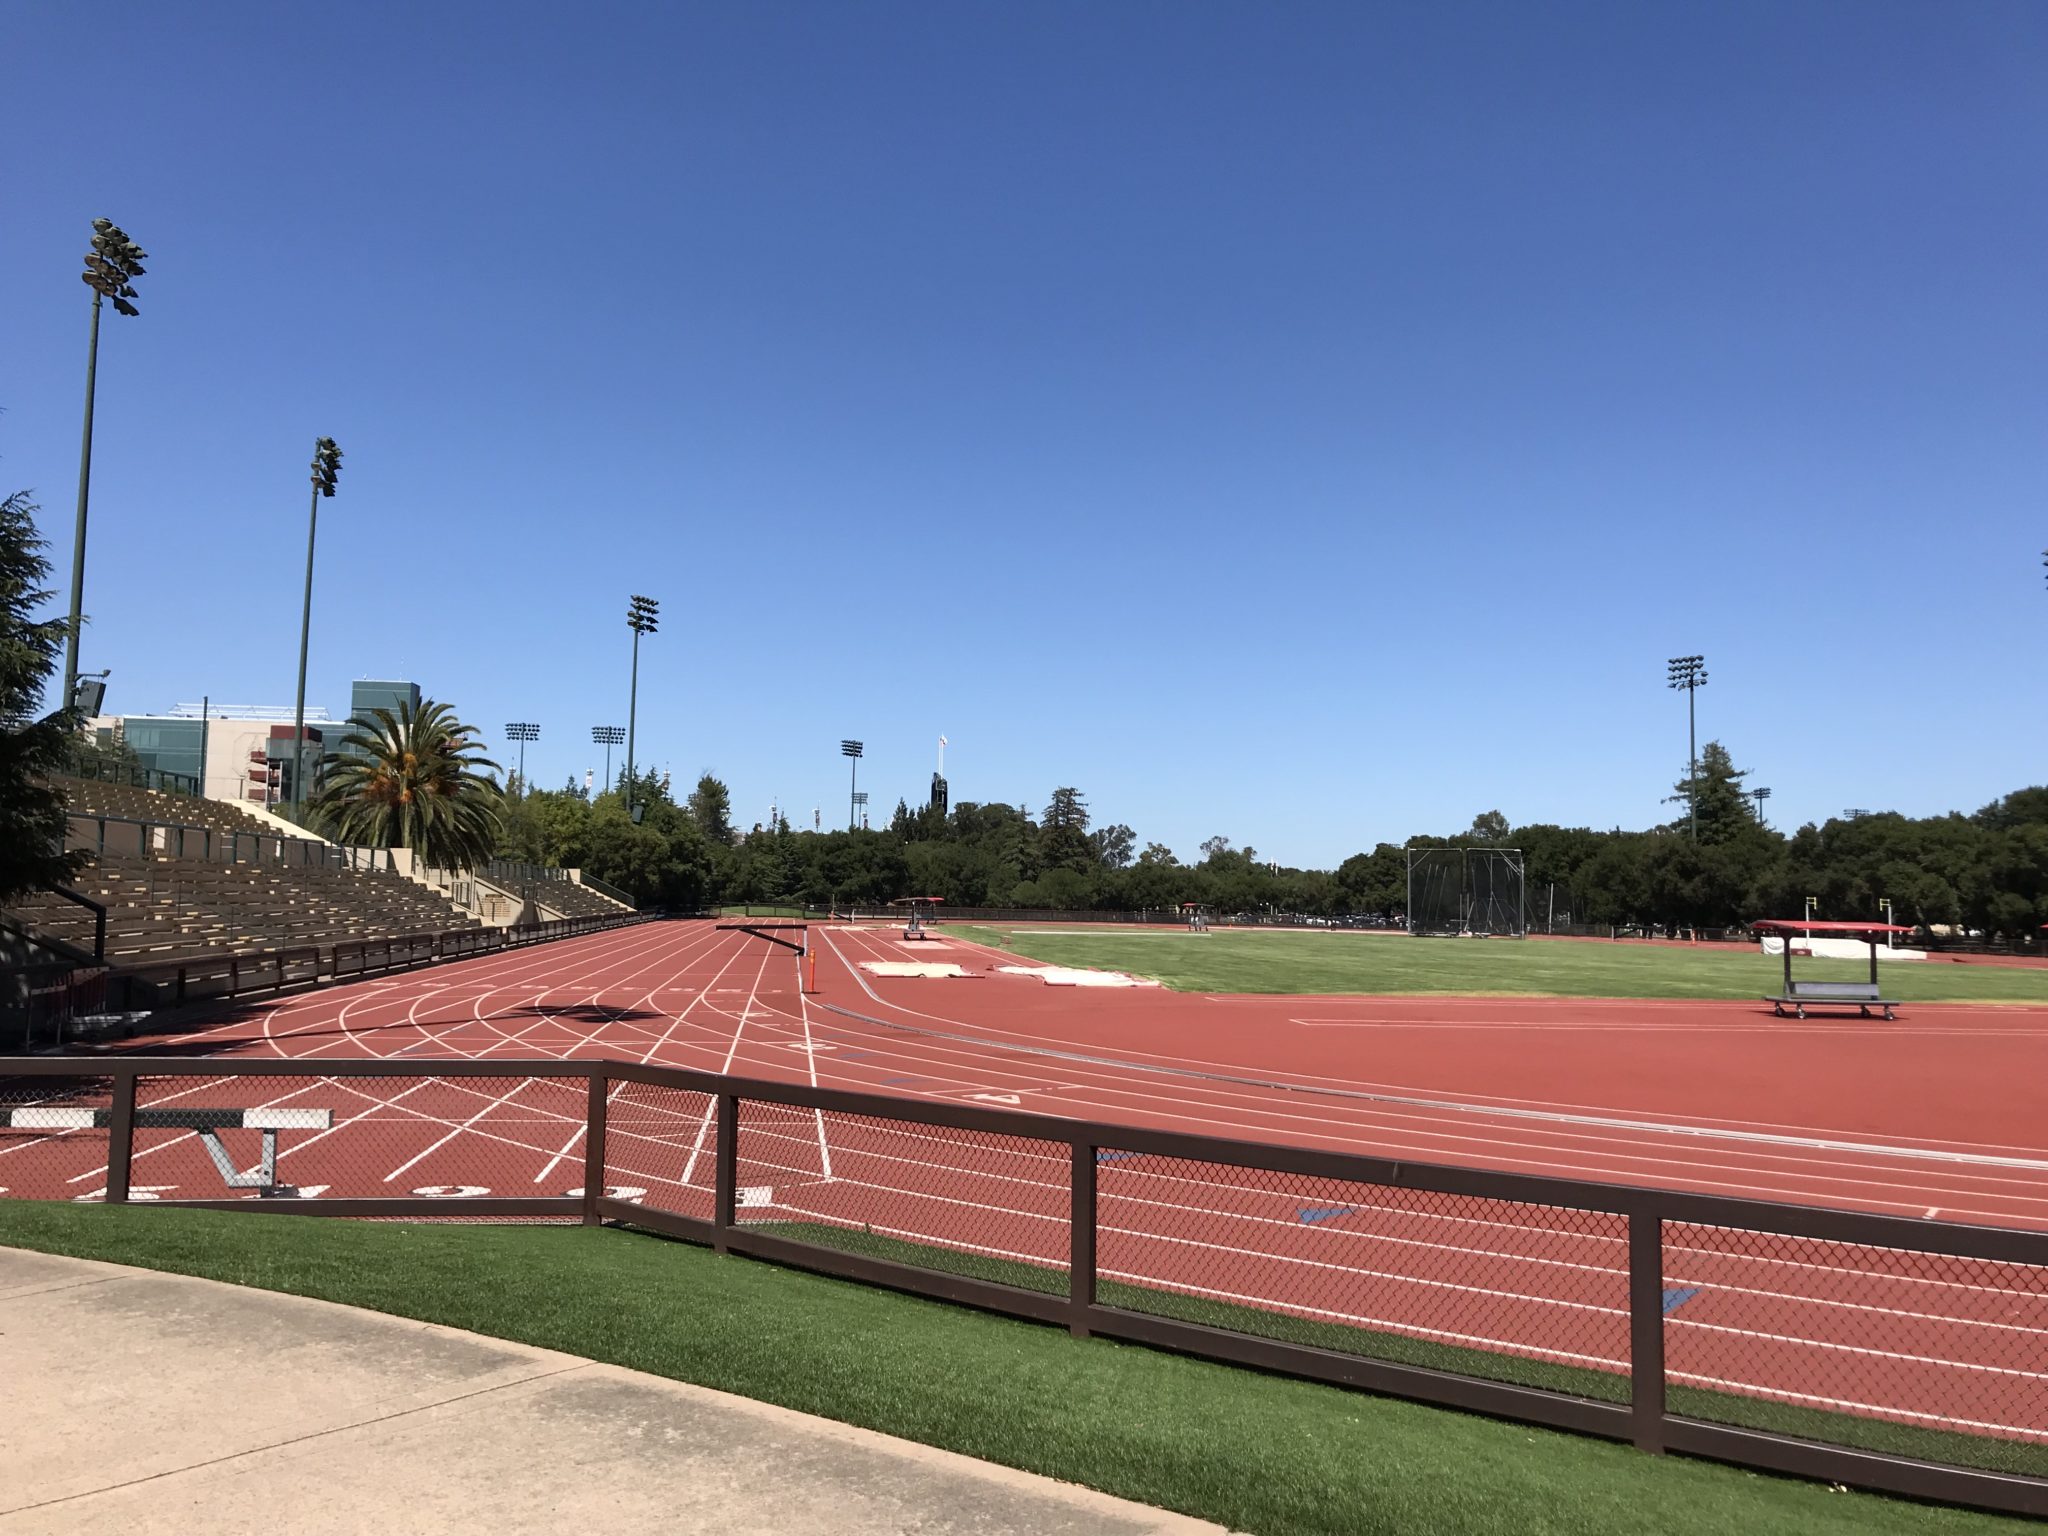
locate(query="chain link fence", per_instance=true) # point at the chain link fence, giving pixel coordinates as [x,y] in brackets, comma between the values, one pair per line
[1904,1355]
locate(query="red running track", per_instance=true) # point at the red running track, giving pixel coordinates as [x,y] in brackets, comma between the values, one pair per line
[1926,1115]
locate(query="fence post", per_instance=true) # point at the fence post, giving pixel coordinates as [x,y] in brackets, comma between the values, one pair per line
[725,1190]
[1081,1241]
[1646,1329]
[120,1135]
[593,1148]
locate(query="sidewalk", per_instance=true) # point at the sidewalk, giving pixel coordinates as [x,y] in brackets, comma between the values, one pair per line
[144,1403]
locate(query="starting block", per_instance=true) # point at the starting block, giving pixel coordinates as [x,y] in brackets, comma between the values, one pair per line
[206,1123]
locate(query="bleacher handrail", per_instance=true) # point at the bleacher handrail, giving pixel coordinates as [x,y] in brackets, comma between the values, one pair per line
[162,780]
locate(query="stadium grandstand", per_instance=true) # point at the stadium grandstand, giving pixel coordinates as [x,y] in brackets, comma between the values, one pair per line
[178,876]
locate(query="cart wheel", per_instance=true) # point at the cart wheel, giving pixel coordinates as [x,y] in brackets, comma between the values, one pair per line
[1889,1015]
[1802,1010]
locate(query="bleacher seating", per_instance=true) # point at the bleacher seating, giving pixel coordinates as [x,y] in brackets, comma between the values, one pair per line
[567,898]
[96,797]
[165,908]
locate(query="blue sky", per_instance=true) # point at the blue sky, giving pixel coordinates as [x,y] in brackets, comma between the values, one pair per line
[1313,423]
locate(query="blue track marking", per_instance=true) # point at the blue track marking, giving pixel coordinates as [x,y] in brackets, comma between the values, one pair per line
[1677,1296]
[1310,1216]
[889,1082]
[1114,1157]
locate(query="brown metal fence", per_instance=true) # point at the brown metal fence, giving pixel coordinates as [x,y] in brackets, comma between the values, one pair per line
[172,983]
[1897,1354]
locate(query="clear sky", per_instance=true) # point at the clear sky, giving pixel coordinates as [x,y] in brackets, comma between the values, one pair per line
[1313,423]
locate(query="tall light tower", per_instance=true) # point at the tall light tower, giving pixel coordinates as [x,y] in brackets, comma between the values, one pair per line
[522,731]
[608,736]
[111,267]
[326,474]
[852,750]
[1690,673]
[1759,796]
[643,619]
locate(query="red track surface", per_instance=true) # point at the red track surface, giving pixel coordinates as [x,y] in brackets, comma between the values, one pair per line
[1931,1114]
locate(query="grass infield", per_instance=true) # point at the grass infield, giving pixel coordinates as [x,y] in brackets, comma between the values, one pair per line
[1376,964]
[1253,1452]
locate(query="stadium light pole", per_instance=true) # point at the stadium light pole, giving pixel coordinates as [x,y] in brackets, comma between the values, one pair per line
[111,267]
[1760,796]
[643,618]
[852,750]
[608,736]
[522,731]
[326,473]
[1690,673]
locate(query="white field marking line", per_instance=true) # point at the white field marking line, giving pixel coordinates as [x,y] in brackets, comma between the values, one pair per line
[1696,1254]
[611,1095]
[1786,1027]
[1379,1131]
[697,1146]
[1495,1155]
[1206,1071]
[1142,1061]
[811,1064]
[498,971]
[574,986]
[1856,1349]
[2031,1432]
[1381,1137]
[1415,1330]
[1262,1302]
[650,951]
[1355,1236]
[517,1088]
[1378,1123]
[1379,1127]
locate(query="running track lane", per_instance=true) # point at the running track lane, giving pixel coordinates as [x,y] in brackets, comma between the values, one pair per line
[1849,1328]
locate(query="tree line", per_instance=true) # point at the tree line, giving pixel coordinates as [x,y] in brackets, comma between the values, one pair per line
[1985,871]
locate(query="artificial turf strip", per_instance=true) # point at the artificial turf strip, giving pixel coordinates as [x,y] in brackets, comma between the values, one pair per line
[1253,1452]
[1326,961]
[1946,1447]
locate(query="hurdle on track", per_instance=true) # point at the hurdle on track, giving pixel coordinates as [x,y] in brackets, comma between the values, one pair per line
[207,1124]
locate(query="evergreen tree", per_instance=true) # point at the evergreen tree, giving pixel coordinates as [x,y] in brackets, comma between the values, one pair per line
[32,822]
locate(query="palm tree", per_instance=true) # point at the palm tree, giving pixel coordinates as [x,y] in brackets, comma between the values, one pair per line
[413,780]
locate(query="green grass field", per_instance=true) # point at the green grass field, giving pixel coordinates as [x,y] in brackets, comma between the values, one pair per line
[1322,961]
[1255,1453]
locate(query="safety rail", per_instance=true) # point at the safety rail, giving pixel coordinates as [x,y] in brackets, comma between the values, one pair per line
[39,998]
[605,888]
[141,837]
[162,780]
[1888,1352]
[191,978]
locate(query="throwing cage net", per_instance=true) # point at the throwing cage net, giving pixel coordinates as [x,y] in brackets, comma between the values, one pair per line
[1454,891]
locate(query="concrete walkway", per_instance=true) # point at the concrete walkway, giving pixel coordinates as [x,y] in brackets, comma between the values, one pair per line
[141,1402]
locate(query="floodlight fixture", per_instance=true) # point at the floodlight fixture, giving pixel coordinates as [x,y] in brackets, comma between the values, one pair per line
[1690,673]
[112,264]
[851,750]
[522,731]
[326,469]
[643,616]
[608,736]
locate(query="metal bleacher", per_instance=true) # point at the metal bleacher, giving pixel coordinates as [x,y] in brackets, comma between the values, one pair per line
[181,876]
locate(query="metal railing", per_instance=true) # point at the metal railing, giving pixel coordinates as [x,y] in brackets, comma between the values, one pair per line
[161,780]
[1892,1353]
[605,888]
[242,973]
[140,837]
[39,999]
